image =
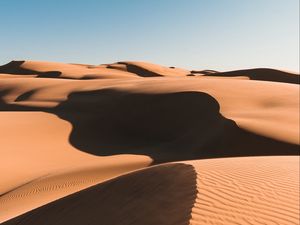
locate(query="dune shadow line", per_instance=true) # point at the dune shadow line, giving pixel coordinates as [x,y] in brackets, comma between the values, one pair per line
[166,127]
[159,195]
[14,67]
[263,74]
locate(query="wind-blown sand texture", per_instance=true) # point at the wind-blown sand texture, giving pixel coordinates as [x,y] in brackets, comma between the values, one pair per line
[139,143]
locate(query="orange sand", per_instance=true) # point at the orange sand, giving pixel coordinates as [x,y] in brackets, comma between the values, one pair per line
[67,127]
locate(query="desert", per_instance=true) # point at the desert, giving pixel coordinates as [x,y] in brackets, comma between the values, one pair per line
[134,142]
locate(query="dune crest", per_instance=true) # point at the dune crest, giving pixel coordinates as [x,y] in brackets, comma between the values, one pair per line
[224,191]
[265,74]
[86,137]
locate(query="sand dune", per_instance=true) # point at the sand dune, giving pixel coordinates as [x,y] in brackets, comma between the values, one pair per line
[223,191]
[61,70]
[265,74]
[67,127]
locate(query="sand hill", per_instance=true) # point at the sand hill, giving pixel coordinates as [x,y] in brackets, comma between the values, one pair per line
[139,143]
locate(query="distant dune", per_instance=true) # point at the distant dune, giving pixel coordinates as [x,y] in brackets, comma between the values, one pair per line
[107,144]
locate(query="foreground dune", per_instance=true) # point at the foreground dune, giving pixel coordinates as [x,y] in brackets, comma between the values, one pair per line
[67,127]
[250,190]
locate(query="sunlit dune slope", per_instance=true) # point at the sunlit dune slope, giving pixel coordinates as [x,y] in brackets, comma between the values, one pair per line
[250,190]
[67,127]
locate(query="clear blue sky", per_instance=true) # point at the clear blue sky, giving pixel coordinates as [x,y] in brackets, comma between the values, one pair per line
[199,34]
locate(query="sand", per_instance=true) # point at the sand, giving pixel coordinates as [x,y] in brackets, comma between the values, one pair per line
[107,144]
[246,190]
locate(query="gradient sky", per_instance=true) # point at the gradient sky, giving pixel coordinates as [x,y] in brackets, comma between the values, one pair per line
[195,34]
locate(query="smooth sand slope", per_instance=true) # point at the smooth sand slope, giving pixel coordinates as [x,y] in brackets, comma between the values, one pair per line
[249,190]
[67,127]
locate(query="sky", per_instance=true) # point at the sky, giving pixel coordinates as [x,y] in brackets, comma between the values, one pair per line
[193,34]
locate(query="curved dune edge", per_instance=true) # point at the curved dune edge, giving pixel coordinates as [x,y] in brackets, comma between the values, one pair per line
[134,198]
[265,74]
[67,127]
[63,182]
[249,190]
[268,109]
[131,69]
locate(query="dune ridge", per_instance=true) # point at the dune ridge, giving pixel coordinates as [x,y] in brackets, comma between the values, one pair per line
[136,197]
[71,132]
[224,191]
[265,74]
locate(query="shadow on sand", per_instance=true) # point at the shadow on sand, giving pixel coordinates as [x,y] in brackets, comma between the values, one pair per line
[158,195]
[14,67]
[166,127]
[264,74]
